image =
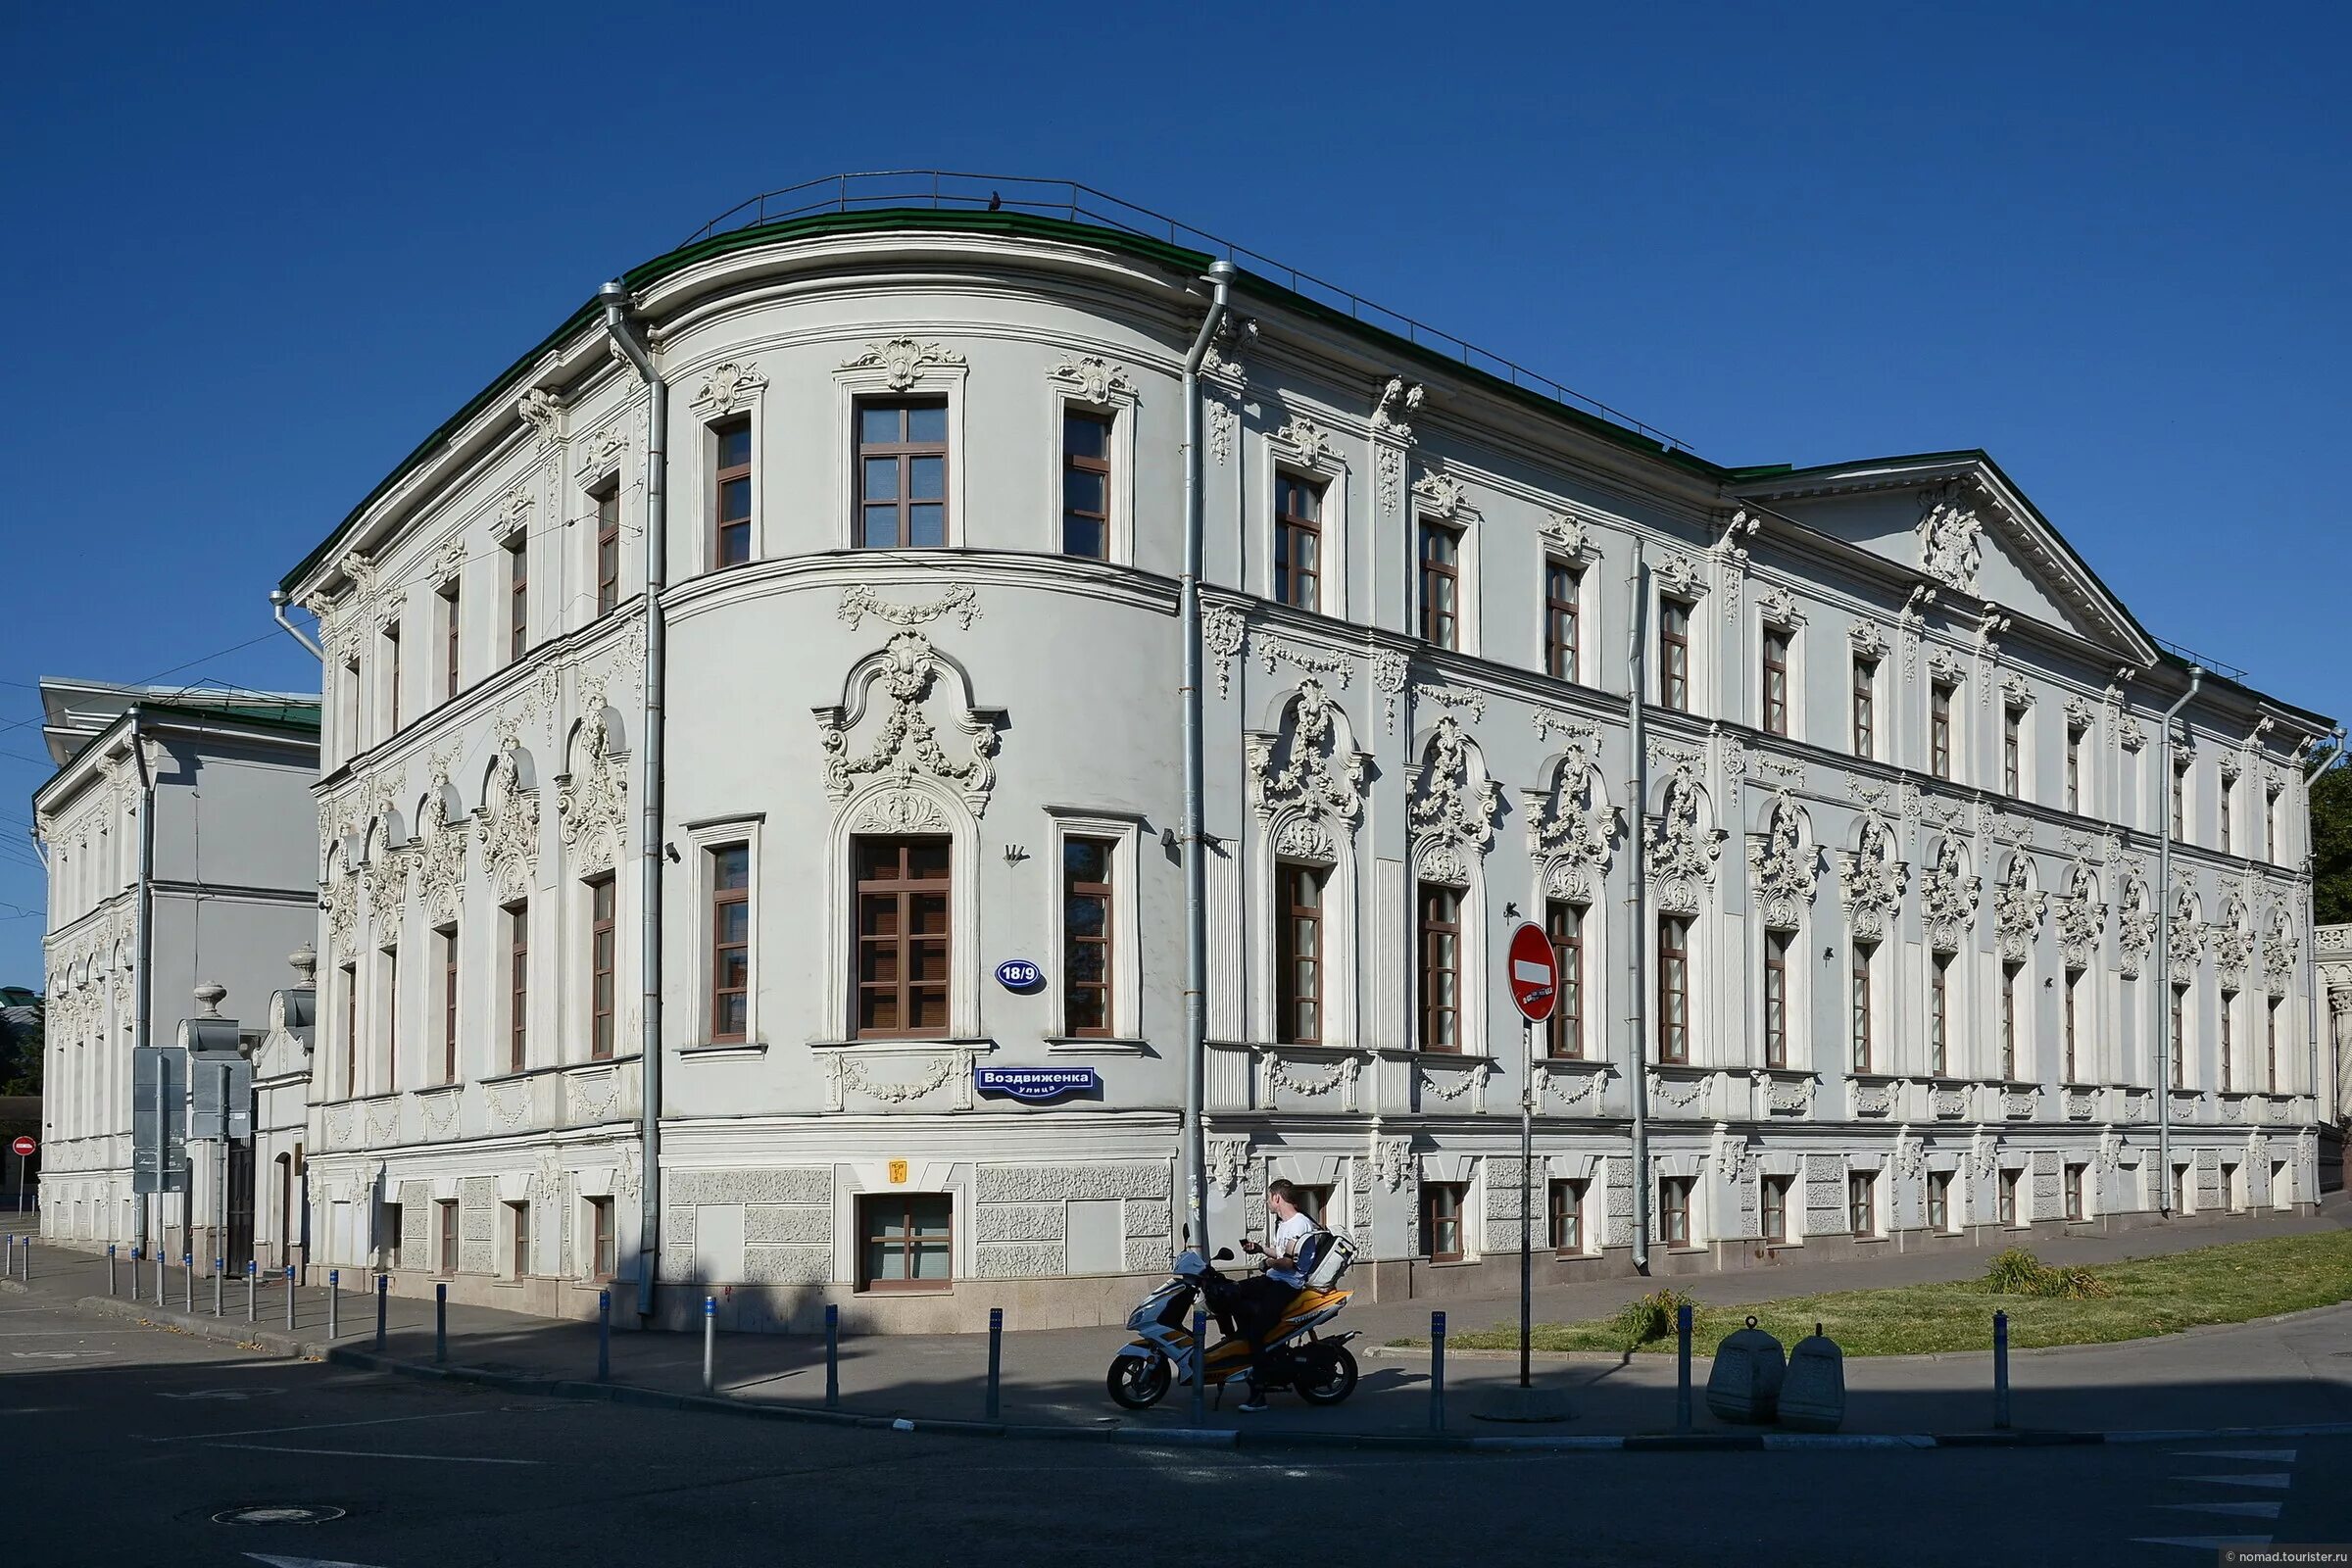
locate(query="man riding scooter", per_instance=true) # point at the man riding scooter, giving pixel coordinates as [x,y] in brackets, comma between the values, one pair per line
[1258,1302]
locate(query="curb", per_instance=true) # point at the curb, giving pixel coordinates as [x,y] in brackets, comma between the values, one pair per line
[222,1330]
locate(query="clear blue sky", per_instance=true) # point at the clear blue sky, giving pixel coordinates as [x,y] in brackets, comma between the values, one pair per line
[255,253]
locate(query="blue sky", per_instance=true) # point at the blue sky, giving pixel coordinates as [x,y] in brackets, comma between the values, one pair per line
[257,252]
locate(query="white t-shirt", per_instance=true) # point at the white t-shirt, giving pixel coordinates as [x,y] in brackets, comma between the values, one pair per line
[1289,1237]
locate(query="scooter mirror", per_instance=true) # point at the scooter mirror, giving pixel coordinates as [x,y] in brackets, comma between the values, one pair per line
[1224,1254]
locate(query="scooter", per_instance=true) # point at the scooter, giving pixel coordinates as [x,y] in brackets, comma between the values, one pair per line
[1319,1368]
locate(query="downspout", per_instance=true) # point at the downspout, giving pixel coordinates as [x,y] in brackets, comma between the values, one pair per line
[1637,901]
[1196,863]
[2323,1094]
[625,333]
[145,998]
[2166,1043]
[278,599]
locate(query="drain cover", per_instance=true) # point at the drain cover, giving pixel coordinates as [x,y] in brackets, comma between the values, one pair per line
[278,1513]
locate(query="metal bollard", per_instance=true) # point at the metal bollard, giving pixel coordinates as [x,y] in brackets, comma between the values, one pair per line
[440,1320]
[220,1266]
[289,1298]
[334,1303]
[110,1268]
[252,1268]
[159,1274]
[2000,1371]
[604,1336]
[1436,1371]
[1682,1369]
[832,1357]
[1199,1375]
[995,1356]
[383,1286]
[710,1344]
[187,1283]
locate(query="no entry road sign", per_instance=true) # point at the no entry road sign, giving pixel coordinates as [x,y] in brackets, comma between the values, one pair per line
[1535,977]
[23,1147]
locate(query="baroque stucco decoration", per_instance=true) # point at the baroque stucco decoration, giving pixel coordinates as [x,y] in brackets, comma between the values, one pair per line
[2186,937]
[903,361]
[1570,827]
[1681,850]
[1948,898]
[2081,917]
[2280,950]
[1306,778]
[2233,941]
[1782,866]
[507,826]
[1451,807]
[2016,910]
[2135,924]
[1870,880]
[1949,545]
[859,601]
[592,800]
[906,745]
[1093,379]
[729,387]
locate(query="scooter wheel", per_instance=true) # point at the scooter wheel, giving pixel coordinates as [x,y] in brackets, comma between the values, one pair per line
[1326,1379]
[1138,1382]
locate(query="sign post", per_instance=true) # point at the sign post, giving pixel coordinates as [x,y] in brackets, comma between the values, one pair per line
[1535,981]
[23,1149]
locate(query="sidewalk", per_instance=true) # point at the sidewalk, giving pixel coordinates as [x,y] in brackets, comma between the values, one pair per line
[2284,1371]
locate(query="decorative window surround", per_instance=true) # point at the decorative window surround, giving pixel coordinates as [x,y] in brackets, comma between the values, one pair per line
[895,369]
[1304,447]
[696,842]
[1091,384]
[1124,834]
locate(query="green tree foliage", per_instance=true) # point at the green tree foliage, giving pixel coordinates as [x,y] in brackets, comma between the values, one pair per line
[21,1050]
[2331,845]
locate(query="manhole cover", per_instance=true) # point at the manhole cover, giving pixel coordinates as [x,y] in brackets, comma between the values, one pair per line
[278,1513]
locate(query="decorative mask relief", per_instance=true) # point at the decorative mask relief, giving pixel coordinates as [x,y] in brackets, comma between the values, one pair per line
[1569,828]
[2016,910]
[907,746]
[1682,852]
[508,826]
[2280,950]
[1568,537]
[2185,939]
[1309,771]
[2233,942]
[1949,545]
[1452,806]
[903,361]
[1948,899]
[2081,917]
[1870,880]
[726,388]
[592,800]
[2134,924]
[1093,379]
[1781,868]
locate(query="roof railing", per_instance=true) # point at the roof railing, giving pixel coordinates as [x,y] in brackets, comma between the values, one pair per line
[2211,667]
[875,190]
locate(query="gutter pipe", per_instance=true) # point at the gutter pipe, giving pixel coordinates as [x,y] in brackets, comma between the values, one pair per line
[2166,1043]
[627,333]
[144,994]
[278,599]
[1195,865]
[1636,902]
[2323,1093]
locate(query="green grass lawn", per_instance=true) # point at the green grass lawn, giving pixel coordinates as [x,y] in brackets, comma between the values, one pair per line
[2229,1284]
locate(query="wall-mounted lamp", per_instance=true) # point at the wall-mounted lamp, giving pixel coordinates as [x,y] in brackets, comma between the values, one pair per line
[672,849]
[1510,911]
[1828,955]
[1168,840]
[1015,854]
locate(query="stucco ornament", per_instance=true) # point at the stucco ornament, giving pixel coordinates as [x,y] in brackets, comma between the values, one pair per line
[1781,868]
[2135,925]
[1949,545]
[2016,910]
[1393,1162]
[1947,898]
[1451,807]
[859,601]
[907,672]
[592,800]
[2186,935]
[729,387]
[1305,441]
[507,826]
[2081,917]
[1870,880]
[384,885]
[1680,578]
[2233,942]
[2280,950]
[1224,631]
[1867,640]
[1399,400]
[902,360]
[1309,771]
[1681,851]
[1569,830]
[339,896]
[1093,378]
[1568,537]
[1228,1162]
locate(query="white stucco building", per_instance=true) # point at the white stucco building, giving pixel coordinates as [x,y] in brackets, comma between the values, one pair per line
[222,781]
[920,644]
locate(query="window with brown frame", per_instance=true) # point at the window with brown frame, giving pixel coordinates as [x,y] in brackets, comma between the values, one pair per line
[452,623]
[1674,989]
[392,679]
[1674,1210]
[903,476]
[1561,585]
[1565,1211]
[2073,1192]
[2181,799]
[1674,654]
[1774,1209]
[1442,1221]
[904,934]
[1861,1204]
[1866,706]
[1939,730]
[348,719]
[608,548]
[447,937]
[2013,746]
[519,984]
[2009,1022]
[2269,1047]
[1939,1199]
[1086,914]
[1775,680]
[1298,954]
[2269,827]
[1864,951]
[1298,542]
[350,976]
[1564,923]
[1939,1014]
[2227,792]
[730,493]
[905,1242]
[391,968]
[2072,1024]
[518,1233]
[1441,585]
[2074,767]
[2179,1053]
[601,1248]
[730,872]
[2229,1043]
[518,598]
[1440,968]
[1776,998]
[1085,484]
[602,896]
[445,1260]
[2006,1198]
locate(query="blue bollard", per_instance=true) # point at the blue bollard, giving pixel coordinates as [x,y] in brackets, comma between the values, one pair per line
[383,1288]
[289,1296]
[440,1320]
[187,1283]
[110,1268]
[1436,1371]
[252,1269]
[710,1344]
[604,1336]
[1682,1368]
[832,1356]
[2000,1371]
[996,1355]
[334,1303]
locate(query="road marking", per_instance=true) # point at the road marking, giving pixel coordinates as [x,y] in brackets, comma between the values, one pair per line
[319,1426]
[371,1453]
[2201,1542]
[301,1562]
[2275,1483]
[2243,1510]
[222,1393]
[2265,1456]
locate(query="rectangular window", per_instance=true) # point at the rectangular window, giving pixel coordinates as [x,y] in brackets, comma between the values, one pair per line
[1441,584]
[1939,1014]
[1440,968]
[1442,1221]
[392,1235]
[907,1241]
[903,935]
[1564,923]
[2269,828]
[1939,1199]
[2229,1043]
[1298,955]
[608,548]
[731,493]
[1086,937]
[1776,681]
[1775,1210]
[2013,720]
[2228,790]
[602,895]
[353,741]
[447,937]
[1674,654]
[2007,1211]
[1313,1202]
[1298,542]
[1674,1210]
[1863,953]
[451,623]
[1939,730]
[391,957]
[1674,989]
[519,984]
[601,1246]
[518,598]
[445,1212]
[2269,1047]
[392,680]
[1866,706]
[1566,1213]
[1085,484]
[2074,767]
[730,870]
[351,1029]
[2181,799]
[2180,1049]
[2071,1024]
[2073,1192]
[519,1230]
[1560,598]
[1776,998]
[903,476]
[2009,1022]
[1861,1205]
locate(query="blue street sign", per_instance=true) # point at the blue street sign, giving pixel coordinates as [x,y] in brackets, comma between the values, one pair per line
[1037,1085]
[1019,974]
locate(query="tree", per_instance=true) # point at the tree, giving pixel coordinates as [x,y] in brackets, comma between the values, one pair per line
[21,1020]
[2332,847]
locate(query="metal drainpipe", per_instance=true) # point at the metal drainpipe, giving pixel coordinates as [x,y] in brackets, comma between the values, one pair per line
[278,599]
[1195,865]
[1637,899]
[146,985]
[2166,1043]
[2322,1095]
[624,332]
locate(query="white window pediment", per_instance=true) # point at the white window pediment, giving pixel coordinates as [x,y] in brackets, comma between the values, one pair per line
[923,722]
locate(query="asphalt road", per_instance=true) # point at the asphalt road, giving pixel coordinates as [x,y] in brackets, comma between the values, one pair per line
[130,1441]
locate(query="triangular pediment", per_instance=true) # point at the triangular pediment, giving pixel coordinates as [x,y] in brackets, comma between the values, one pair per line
[1958,522]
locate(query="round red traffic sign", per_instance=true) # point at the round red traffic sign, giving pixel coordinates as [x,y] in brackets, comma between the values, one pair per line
[23,1144]
[1534,976]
